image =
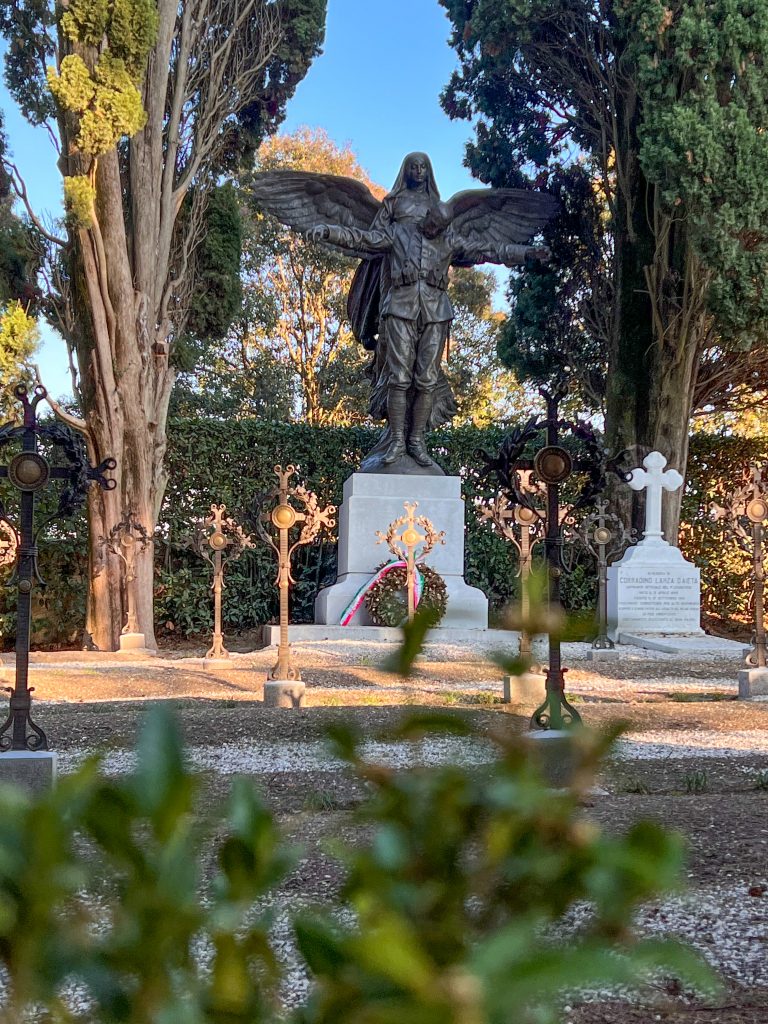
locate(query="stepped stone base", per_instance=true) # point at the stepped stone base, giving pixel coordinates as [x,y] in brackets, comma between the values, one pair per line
[371,502]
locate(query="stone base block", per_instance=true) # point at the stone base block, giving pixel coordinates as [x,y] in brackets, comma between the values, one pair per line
[217,663]
[284,693]
[319,633]
[32,770]
[371,502]
[683,643]
[528,688]
[653,589]
[753,682]
[602,654]
[133,643]
[554,750]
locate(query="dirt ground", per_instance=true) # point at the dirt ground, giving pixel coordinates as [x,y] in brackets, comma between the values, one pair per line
[695,759]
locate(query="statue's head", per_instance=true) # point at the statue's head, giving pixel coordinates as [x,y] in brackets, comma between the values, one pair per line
[416,173]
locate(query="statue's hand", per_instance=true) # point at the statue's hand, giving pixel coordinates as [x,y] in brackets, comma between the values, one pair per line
[541,253]
[319,233]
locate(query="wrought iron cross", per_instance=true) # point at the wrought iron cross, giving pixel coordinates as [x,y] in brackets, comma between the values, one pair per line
[405,543]
[745,515]
[126,539]
[604,535]
[523,526]
[551,467]
[29,472]
[219,539]
[284,516]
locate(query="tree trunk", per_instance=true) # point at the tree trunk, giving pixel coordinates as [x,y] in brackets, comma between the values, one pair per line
[127,422]
[630,362]
[660,329]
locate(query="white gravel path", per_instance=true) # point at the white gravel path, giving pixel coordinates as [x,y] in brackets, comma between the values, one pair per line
[274,758]
[726,925]
[288,756]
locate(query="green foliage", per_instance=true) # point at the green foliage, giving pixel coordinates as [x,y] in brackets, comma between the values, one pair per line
[716,464]
[703,79]
[105,96]
[454,924]
[30,28]
[485,392]
[516,75]
[387,600]
[295,294]
[19,338]
[303,30]
[107,101]
[647,119]
[124,913]
[549,328]
[58,609]
[110,886]
[18,259]
[219,296]
[696,781]
[79,199]
[232,461]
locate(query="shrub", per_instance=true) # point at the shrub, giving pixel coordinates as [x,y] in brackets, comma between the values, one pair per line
[103,886]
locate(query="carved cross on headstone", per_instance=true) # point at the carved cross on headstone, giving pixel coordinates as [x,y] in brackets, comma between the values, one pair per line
[654,479]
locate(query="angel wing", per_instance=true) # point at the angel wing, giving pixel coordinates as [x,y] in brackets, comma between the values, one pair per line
[493,217]
[304,199]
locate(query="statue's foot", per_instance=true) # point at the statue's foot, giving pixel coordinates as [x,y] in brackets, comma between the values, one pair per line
[395,451]
[418,451]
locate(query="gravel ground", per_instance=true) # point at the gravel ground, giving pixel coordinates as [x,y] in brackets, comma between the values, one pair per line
[693,757]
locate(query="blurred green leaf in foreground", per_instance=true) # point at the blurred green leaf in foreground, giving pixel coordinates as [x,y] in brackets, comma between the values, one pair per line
[477,896]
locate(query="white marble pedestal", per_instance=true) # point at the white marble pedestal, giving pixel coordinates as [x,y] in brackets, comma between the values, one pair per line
[132,644]
[371,502]
[653,589]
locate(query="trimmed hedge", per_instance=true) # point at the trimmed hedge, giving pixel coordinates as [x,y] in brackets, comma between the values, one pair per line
[232,462]
[715,466]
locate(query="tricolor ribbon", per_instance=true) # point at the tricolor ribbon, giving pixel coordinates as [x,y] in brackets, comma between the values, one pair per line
[418,589]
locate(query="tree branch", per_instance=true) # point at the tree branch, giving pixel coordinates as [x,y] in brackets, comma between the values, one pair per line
[21,191]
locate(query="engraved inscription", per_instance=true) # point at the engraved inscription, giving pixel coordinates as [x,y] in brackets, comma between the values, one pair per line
[659,600]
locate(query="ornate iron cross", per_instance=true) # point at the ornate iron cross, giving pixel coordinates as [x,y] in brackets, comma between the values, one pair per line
[604,535]
[29,472]
[744,515]
[284,516]
[552,466]
[523,526]
[126,539]
[405,543]
[219,539]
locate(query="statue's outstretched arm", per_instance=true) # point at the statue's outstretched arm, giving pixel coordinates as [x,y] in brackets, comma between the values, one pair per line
[494,225]
[510,255]
[367,243]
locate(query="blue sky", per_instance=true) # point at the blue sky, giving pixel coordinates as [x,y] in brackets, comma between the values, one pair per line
[376,86]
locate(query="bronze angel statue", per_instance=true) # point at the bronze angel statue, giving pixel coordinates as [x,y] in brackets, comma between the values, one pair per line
[398,303]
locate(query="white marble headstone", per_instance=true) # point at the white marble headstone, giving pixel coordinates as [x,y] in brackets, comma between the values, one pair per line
[653,589]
